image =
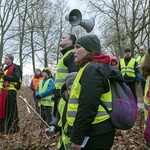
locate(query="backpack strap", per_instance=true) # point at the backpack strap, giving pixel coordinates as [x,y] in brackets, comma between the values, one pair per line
[103,105]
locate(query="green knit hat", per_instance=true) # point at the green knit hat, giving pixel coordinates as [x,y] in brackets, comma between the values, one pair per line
[90,42]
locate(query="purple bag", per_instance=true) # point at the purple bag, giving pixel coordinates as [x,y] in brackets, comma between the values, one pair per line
[124,108]
[147,129]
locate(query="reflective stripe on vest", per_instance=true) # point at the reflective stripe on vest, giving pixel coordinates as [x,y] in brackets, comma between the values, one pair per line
[1,83]
[61,106]
[64,138]
[129,69]
[11,85]
[45,101]
[62,71]
[146,100]
[73,102]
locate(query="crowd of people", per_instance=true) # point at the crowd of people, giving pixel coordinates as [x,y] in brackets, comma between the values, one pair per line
[69,101]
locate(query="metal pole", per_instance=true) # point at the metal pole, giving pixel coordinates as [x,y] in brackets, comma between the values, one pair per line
[34,111]
[71,29]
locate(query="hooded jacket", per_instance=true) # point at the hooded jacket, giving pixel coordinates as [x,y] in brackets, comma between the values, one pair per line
[95,74]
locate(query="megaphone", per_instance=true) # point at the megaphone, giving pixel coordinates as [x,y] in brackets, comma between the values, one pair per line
[75,18]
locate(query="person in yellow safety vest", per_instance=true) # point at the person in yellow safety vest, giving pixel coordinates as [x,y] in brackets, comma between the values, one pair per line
[9,78]
[44,95]
[59,124]
[86,118]
[145,68]
[140,60]
[65,65]
[34,85]
[129,69]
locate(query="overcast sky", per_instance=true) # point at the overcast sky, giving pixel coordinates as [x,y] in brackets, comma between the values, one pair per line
[73,4]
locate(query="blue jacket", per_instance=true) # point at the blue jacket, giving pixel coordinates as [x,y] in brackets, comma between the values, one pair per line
[49,89]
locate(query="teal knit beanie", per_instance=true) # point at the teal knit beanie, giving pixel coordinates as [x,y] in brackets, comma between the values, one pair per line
[90,42]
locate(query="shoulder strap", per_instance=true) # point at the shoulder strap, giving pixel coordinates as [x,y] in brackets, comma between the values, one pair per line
[103,105]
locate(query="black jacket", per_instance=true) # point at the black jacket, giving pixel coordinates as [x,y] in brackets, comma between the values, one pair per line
[69,60]
[15,75]
[93,84]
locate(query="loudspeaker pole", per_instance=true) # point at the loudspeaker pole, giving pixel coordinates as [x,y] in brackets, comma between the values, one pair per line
[71,29]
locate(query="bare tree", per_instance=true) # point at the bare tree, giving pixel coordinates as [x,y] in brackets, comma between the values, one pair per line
[121,23]
[8,10]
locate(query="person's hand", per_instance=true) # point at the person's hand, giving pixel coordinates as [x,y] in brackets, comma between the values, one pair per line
[50,131]
[75,147]
[38,96]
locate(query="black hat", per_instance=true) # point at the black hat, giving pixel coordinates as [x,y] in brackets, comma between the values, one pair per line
[127,50]
[90,42]
[47,70]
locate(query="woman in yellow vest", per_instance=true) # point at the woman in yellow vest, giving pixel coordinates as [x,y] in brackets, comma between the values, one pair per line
[86,118]
[145,68]
[44,94]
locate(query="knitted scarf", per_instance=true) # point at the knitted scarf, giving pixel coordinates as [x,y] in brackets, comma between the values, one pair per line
[4,92]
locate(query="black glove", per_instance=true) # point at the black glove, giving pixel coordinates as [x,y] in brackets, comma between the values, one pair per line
[38,96]
[55,94]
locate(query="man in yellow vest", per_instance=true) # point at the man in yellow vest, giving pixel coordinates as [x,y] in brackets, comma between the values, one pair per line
[44,95]
[65,65]
[140,60]
[9,79]
[128,67]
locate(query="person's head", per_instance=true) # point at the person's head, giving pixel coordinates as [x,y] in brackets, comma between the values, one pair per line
[67,40]
[142,50]
[86,48]
[9,58]
[46,72]
[69,81]
[37,71]
[114,60]
[145,66]
[127,53]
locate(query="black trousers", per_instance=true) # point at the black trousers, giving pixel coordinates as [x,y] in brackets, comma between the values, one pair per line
[142,84]
[100,142]
[131,85]
[46,114]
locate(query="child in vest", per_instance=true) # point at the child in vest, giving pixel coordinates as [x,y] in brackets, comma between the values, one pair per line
[59,122]
[44,94]
[145,67]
